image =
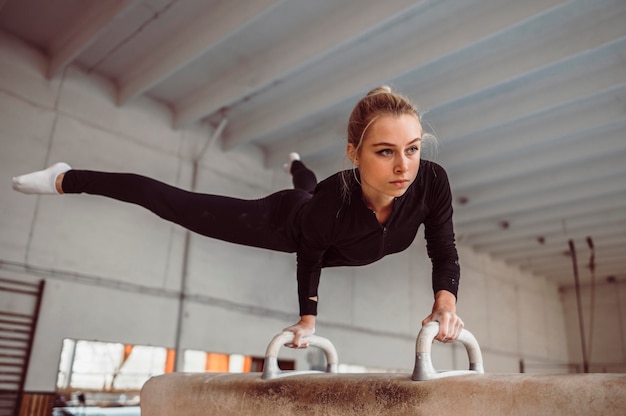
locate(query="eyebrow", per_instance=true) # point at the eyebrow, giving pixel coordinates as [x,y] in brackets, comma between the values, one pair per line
[418,139]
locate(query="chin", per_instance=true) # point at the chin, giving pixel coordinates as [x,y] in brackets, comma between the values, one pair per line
[398,192]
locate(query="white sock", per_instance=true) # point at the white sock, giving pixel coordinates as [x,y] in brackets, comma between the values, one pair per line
[42,182]
[292,156]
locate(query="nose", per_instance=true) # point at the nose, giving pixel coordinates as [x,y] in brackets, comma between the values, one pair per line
[402,164]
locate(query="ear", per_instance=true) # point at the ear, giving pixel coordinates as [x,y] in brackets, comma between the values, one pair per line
[352,154]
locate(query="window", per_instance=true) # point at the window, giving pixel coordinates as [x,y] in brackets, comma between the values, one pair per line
[103,366]
[116,368]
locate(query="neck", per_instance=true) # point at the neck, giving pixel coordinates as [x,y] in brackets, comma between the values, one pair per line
[382,209]
[378,204]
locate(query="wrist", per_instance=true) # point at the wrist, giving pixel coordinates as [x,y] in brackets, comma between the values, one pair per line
[445,300]
[308,320]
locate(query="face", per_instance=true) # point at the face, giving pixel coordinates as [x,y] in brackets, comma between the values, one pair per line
[389,157]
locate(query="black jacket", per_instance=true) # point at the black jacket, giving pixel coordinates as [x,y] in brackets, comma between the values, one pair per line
[341,231]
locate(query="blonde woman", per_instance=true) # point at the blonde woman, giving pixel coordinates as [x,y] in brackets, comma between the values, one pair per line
[353,218]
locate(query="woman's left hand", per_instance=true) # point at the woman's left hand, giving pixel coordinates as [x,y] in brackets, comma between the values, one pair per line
[444,312]
[301,330]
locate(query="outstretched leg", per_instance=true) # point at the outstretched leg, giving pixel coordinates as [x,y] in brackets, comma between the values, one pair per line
[264,223]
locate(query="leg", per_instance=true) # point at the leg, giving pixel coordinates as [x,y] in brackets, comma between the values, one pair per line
[264,223]
[303,178]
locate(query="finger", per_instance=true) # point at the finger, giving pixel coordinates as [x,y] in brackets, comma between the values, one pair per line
[444,329]
[454,333]
[459,328]
[304,345]
[296,340]
[454,328]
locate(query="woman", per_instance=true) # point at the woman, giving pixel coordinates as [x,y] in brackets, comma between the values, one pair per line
[352,218]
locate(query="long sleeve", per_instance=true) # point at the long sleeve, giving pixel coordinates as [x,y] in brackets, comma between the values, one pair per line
[314,241]
[439,234]
[313,245]
[308,273]
[318,219]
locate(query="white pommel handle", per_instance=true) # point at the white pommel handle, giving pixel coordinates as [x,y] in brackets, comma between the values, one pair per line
[424,369]
[270,366]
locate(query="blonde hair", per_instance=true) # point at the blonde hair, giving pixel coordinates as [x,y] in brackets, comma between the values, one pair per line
[380,101]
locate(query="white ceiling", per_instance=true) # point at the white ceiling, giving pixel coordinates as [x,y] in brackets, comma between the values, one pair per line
[527,98]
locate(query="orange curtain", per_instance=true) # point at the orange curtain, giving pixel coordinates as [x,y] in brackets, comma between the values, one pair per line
[170,360]
[216,362]
[247,364]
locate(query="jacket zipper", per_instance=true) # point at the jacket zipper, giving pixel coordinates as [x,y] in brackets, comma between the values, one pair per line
[384,233]
[382,242]
[384,236]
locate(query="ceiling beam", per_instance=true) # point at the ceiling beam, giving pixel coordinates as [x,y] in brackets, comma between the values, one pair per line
[567,194]
[535,156]
[565,278]
[535,44]
[605,58]
[310,43]
[538,182]
[568,80]
[525,250]
[215,24]
[559,212]
[606,267]
[606,247]
[541,231]
[573,148]
[310,141]
[600,110]
[77,37]
[335,78]
[521,250]
[608,257]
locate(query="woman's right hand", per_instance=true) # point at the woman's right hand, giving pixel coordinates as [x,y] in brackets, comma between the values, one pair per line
[301,330]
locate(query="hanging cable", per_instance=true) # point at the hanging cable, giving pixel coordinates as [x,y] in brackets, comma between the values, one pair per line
[592,304]
[572,250]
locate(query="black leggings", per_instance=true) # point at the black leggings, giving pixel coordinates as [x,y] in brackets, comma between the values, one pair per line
[268,222]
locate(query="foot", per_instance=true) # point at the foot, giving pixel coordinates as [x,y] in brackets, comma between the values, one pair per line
[42,182]
[292,156]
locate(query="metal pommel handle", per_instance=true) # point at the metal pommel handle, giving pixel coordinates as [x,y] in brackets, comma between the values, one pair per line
[424,369]
[270,366]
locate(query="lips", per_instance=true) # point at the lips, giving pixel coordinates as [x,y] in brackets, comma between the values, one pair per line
[400,182]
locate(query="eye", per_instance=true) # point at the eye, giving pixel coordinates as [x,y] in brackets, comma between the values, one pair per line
[385,152]
[412,150]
